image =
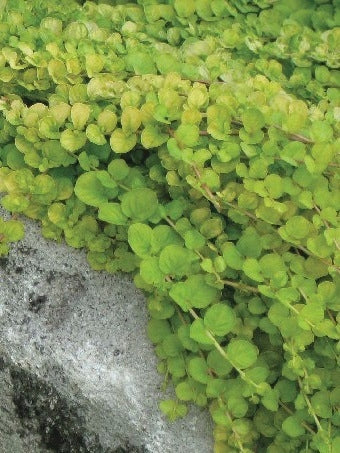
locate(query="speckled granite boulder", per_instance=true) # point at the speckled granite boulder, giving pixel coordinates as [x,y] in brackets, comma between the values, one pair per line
[77,372]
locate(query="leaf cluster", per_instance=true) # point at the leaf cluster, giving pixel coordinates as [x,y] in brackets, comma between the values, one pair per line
[194,144]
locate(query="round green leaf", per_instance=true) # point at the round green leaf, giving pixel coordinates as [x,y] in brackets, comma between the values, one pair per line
[12,230]
[94,134]
[176,260]
[172,346]
[118,169]
[152,137]
[242,353]
[253,120]
[112,213]
[122,143]
[79,115]
[219,364]
[194,292]
[292,427]
[185,391]
[139,204]
[173,410]
[130,119]
[219,319]
[198,370]
[150,271]
[238,406]
[187,135]
[139,238]
[198,332]
[232,256]
[107,121]
[298,227]
[194,240]
[90,190]
[72,140]
[158,329]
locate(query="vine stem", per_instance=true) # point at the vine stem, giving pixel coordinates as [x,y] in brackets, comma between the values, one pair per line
[310,407]
[222,352]
[331,316]
[212,197]
[241,286]
[290,412]
[183,321]
[327,226]
[207,190]
[237,437]
[295,137]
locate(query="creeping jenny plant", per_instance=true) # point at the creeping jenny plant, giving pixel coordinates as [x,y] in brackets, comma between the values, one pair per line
[194,144]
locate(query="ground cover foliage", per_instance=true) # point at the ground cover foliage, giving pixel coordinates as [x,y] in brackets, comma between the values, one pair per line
[194,144]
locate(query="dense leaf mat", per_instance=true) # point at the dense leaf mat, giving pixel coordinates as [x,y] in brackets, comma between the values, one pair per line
[195,144]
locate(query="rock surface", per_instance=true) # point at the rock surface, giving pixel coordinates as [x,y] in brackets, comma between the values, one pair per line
[77,372]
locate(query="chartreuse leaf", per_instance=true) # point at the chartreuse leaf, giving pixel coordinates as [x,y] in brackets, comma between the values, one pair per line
[218,364]
[232,256]
[173,410]
[130,120]
[163,235]
[270,399]
[91,191]
[270,264]
[49,128]
[321,404]
[198,332]
[80,114]
[193,292]
[118,169]
[198,370]
[72,140]
[298,227]
[112,213]
[139,237]
[158,330]
[292,427]
[177,366]
[139,204]
[150,271]
[152,137]
[194,240]
[176,260]
[185,391]
[12,230]
[242,353]
[183,333]
[122,142]
[187,135]
[249,243]
[252,269]
[184,9]
[141,62]
[238,406]
[94,134]
[94,64]
[160,308]
[253,120]
[219,319]
[87,162]
[172,346]
[107,121]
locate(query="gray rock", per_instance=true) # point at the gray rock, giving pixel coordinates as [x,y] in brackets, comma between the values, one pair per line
[77,371]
